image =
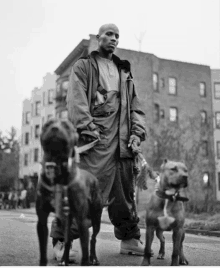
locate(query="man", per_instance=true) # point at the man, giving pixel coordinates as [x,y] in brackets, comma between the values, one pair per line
[102,101]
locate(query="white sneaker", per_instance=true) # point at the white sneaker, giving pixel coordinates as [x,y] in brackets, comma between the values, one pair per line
[58,251]
[132,246]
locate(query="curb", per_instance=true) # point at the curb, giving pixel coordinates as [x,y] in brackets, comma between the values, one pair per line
[107,221]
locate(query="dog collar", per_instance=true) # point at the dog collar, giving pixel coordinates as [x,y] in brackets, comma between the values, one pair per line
[173,197]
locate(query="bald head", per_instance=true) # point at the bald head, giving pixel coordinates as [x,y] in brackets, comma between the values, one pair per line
[107,27]
[108,38]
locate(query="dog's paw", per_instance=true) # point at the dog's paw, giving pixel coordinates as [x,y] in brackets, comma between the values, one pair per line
[161,256]
[94,261]
[183,261]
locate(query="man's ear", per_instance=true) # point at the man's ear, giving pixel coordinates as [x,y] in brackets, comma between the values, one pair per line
[97,37]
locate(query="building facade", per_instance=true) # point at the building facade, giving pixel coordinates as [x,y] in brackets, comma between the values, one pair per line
[36,111]
[176,96]
[216,123]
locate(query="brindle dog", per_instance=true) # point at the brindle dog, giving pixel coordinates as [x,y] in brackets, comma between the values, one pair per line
[69,192]
[165,211]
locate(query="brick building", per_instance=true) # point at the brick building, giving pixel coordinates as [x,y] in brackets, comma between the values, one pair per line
[36,110]
[175,95]
[216,119]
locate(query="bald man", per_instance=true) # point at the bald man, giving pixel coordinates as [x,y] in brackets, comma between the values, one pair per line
[103,101]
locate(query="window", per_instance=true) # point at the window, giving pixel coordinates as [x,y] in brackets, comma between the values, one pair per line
[173,114]
[155,82]
[26,142]
[217,119]
[172,86]
[156,112]
[202,89]
[37,131]
[25,159]
[37,108]
[50,96]
[205,148]
[162,83]
[36,154]
[203,117]
[206,179]
[162,113]
[219,181]
[217,90]
[218,149]
[44,95]
[27,118]
[64,114]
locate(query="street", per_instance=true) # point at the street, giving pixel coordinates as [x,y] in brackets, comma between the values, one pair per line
[19,245]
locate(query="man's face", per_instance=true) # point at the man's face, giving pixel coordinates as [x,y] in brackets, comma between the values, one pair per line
[108,39]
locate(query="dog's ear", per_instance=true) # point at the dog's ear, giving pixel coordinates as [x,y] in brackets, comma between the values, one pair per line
[163,163]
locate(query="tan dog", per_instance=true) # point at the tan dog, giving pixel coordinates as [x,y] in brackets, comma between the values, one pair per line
[165,211]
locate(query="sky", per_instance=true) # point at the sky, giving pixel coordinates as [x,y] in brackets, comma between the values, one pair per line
[37,35]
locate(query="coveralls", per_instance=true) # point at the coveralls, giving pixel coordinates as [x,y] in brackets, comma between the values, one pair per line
[110,160]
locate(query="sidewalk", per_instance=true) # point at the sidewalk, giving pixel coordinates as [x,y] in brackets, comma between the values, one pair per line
[105,219]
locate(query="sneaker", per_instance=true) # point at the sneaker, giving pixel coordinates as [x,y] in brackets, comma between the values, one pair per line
[132,246]
[58,251]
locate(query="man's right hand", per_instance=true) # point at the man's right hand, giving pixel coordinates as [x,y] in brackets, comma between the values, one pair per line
[90,136]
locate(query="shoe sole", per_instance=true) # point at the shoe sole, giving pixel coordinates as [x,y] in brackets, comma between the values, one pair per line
[130,252]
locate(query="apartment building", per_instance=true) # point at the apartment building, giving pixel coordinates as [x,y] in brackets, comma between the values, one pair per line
[174,94]
[216,123]
[36,111]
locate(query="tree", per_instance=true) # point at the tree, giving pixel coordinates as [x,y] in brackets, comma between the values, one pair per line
[187,142]
[9,160]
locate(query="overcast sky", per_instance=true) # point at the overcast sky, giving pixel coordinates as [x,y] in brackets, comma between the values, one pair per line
[36,35]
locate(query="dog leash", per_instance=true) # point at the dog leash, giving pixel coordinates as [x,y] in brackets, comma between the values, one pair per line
[86,146]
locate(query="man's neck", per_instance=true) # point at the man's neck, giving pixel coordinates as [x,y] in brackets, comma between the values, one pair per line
[105,55]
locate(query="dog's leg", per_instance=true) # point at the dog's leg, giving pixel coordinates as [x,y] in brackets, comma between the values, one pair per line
[42,231]
[148,243]
[96,224]
[84,240]
[65,258]
[160,236]
[177,237]
[182,260]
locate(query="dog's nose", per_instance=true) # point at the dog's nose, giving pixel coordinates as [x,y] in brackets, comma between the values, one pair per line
[54,129]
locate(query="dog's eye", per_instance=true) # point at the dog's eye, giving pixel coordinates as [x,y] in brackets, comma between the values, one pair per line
[174,169]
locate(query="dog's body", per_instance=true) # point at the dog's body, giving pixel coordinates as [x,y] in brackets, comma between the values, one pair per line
[77,189]
[165,211]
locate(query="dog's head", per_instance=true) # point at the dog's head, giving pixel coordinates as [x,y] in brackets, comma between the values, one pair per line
[58,138]
[174,174]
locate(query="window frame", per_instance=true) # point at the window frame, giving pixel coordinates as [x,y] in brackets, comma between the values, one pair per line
[155,88]
[37,131]
[37,108]
[217,126]
[26,138]
[206,118]
[169,86]
[175,108]
[215,96]
[218,149]
[25,159]
[27,122]
[205,93]
[36,159]
[206,154]
[50,96]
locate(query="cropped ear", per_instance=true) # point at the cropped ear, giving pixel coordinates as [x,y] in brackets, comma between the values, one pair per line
[163,163]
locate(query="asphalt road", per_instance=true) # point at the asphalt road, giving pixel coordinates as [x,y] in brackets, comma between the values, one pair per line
[19,245]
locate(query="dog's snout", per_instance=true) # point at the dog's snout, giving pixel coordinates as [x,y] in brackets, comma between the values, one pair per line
[54,129]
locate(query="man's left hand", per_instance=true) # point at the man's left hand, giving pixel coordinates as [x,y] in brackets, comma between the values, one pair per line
[134,143]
